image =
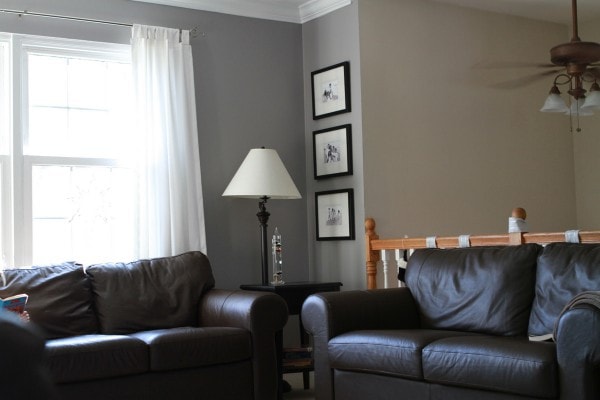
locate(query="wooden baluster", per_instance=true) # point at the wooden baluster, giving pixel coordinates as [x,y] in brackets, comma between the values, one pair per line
[385,258]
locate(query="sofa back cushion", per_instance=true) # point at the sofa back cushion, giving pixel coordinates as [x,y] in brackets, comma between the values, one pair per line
[477,289]
[563,271]
[60,298]
[150,294]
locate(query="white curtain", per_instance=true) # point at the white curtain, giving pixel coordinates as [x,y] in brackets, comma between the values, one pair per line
[171,218]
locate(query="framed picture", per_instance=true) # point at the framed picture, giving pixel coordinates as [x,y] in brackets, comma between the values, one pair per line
[335,214]
[332,152]
[331,90]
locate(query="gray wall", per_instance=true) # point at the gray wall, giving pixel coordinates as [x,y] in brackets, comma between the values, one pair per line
[249,93]
[329,40]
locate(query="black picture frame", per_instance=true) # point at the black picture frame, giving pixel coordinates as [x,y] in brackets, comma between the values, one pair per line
[334,211]
[332,152]
[331,90]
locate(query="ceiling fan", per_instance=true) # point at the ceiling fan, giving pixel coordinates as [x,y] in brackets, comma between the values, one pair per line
[574,63]
[579,60]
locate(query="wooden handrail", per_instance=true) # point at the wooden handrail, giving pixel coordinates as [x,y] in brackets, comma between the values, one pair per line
[374,244]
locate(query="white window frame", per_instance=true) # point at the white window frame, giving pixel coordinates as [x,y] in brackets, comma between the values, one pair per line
[17,221]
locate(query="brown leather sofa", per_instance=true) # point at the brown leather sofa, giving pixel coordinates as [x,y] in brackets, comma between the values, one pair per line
[152,329]
[461,327]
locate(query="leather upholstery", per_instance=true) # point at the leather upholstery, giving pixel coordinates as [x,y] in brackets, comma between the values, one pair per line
[391,352]
[150,294]
[60,300]
[329,314]
[87,357]
[459,330]
[563,271]
[499,364]
[189,347]
[262,314]
[164,331]
[478,289]
[578,353]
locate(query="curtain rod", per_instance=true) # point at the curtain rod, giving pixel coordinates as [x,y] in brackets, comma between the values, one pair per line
[193,32]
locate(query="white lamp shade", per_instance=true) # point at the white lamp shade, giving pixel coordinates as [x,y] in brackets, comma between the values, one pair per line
[262,174]
[577,109]
[592,101]
[554,103]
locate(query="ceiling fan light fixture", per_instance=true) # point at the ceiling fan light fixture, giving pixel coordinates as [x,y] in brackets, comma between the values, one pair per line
[555,103]
[577,109]
[592,100]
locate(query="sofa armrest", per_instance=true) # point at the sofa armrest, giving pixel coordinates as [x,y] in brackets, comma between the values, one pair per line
[329,314]
[577,336]
[264,315]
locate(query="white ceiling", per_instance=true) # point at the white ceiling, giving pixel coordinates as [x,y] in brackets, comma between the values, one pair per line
[300,11]
[546,10]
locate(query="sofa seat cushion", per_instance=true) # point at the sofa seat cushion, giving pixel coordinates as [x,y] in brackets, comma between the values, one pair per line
[563,271]
[89,357]
[388,352]
[188,347]
[512,365]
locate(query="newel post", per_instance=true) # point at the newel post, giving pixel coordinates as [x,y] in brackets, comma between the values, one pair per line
[371,255]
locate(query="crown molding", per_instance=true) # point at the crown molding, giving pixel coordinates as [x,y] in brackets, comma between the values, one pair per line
[316,8]
[296,11]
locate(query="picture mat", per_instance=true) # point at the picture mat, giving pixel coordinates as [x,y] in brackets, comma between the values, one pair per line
[334,228]
[339,164]
[321,82]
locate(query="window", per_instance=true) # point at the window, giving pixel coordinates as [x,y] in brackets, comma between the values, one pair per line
[68,178]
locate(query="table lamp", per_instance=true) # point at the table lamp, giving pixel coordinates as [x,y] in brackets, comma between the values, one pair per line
[262,176]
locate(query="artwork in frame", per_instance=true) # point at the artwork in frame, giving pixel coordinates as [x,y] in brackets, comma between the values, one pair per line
[334,210]
[331,90]
[332,152]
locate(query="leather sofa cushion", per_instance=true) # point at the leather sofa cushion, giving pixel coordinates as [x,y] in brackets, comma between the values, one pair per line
[88,357]
[150,294]
[183,347]
[512,365]
[60,298]
[564,270]
[478,289]
[387,352]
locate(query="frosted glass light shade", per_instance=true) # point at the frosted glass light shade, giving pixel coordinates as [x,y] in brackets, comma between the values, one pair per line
[592,101]
[577,109]
[262,174]
[554,103]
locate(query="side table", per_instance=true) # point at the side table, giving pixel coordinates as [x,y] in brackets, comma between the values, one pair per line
[294,294]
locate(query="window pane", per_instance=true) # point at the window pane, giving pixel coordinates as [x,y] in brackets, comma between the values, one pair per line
[47,78]
[78,107]
[83,214]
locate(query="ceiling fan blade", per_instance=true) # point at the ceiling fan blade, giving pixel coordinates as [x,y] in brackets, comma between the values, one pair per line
[511,64]
[524,81]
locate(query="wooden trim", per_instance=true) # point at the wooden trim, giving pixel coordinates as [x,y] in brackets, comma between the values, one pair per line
[374,245]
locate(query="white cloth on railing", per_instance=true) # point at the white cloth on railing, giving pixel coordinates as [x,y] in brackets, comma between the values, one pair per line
[517,225]
[572,236]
